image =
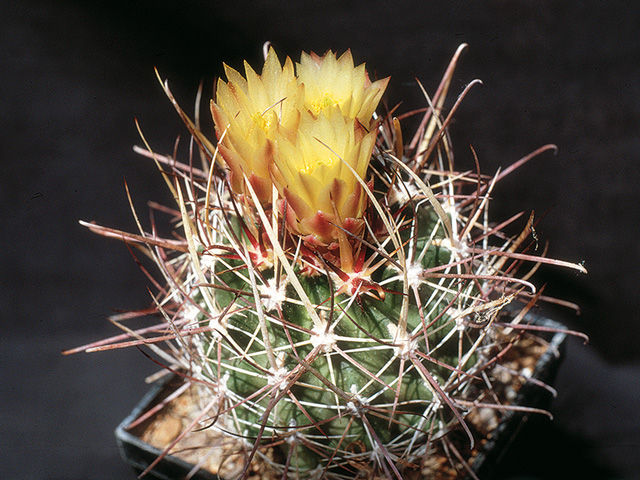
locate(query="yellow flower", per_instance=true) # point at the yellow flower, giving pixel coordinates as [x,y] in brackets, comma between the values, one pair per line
[304,134]
[331,81]
[312,175]
[247,112]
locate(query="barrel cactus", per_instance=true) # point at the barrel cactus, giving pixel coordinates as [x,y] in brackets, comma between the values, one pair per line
[333,290]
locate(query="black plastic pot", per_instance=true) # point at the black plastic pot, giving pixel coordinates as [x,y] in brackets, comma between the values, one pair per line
[140,455]
[531,395]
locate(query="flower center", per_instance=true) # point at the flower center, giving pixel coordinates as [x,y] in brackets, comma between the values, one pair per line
[309,169]
[323,102]
[263,120]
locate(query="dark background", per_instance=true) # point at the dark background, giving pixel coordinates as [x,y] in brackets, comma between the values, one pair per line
[74,75]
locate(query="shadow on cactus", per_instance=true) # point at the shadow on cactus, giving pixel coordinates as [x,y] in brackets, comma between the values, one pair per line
[336,294]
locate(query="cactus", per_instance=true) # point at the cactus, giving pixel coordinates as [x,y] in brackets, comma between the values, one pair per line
[333,291]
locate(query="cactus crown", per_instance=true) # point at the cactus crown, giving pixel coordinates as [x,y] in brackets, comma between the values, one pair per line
[334,292]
